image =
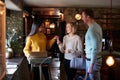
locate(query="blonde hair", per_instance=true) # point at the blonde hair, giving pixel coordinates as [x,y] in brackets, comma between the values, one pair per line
[73,25]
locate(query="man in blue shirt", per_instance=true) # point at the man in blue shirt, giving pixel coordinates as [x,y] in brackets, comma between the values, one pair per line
[93,44]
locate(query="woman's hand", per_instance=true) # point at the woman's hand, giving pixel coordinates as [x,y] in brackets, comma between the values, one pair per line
[58,41]
[68,51]
[55,37]
[28,56]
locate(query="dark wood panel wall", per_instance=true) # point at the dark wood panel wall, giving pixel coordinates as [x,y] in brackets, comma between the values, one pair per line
[102,16]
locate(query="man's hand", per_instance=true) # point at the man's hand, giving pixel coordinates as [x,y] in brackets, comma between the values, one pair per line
[90,69]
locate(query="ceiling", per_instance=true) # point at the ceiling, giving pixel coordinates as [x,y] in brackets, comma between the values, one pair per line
[15,4]
[72,3]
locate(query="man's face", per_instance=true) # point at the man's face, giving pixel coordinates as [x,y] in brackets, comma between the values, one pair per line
[84,17]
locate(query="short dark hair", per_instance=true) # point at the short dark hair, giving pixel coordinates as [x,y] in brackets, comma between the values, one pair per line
[89,12]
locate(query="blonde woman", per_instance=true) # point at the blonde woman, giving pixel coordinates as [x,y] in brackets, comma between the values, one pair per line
[71,47]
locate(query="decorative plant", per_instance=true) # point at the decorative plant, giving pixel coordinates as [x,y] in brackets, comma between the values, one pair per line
[15,32]
[10,39]
[14,40]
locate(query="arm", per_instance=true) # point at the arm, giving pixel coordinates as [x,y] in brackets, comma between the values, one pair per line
[27,48]
[93,45]
[50,43]
[79,50]
[61,45]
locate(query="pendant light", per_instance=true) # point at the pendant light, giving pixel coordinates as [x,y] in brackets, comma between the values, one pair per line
[111,39]
[110,61]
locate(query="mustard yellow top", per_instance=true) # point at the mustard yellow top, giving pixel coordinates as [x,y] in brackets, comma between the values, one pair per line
[37,43]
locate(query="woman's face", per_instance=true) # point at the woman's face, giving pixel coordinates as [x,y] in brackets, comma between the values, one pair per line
[41,29]
[69,28]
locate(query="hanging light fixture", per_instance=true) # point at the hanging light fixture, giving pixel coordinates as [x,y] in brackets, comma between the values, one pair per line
[110,60]
[111,25]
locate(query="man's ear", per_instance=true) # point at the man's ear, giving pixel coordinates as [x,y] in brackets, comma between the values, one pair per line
[88,16]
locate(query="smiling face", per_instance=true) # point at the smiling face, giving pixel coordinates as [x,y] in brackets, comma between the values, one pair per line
[70,28]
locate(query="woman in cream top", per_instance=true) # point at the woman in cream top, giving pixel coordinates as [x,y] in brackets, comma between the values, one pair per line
[71,47]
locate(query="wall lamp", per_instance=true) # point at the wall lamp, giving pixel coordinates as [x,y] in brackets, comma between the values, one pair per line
[52,25]
[77,16]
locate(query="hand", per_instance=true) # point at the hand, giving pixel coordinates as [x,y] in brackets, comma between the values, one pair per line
[58,41]
[68,51]
[90,69]
[28,56]
[86,76]
[56,37]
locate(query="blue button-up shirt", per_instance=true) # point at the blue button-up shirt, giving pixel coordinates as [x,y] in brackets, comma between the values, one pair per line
[93,41]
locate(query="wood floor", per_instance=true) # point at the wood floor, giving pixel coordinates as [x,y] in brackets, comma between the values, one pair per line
[57,70]
[58,73]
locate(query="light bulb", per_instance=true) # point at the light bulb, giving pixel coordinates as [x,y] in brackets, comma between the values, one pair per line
[110,61]
[77,16]
[52,25]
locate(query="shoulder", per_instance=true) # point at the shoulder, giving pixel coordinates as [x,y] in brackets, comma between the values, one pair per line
[65,37]
[42,35]
[77,36]
[96,25]
[28,37]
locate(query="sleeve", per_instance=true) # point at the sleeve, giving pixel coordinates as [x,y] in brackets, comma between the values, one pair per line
[27,48]
[93,41]
[79,47]
[62,46]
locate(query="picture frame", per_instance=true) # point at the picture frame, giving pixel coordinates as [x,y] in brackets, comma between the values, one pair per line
[48,31]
